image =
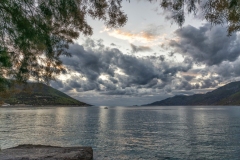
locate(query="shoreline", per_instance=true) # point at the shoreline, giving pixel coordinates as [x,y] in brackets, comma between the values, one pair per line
[45,106]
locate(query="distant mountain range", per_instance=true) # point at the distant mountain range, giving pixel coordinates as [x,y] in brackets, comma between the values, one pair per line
[225,95]
[40,94]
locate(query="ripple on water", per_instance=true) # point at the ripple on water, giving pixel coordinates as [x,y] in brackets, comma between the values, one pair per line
[172,133]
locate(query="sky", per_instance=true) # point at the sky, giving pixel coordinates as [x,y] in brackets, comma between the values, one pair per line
[149,59]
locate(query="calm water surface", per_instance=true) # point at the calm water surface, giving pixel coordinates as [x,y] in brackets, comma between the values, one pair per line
[129,132]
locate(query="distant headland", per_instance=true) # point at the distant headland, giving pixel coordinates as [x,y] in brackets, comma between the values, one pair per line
[38,94]
[225,95]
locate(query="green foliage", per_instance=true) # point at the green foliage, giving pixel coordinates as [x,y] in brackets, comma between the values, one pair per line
[214,11]
[231,100]
[34,33]
[40,94]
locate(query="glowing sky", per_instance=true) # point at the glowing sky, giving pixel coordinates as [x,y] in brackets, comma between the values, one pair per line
[149,59]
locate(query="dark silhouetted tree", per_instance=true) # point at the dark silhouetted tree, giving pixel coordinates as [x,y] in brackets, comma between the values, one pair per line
[35,33]
[216,12]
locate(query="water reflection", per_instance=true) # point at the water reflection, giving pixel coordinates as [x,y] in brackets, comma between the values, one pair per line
[129,132]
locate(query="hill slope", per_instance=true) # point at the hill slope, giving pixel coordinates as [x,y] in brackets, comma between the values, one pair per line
[41,94]
[225,95]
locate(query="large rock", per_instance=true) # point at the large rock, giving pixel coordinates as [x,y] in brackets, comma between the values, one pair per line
[40,152]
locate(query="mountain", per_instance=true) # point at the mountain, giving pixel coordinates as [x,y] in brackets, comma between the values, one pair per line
[225,95]
[40,94]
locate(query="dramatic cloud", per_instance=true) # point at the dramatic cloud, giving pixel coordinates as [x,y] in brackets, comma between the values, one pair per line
[225,72]
[206,44]
[109,71]
[206,61]
[136,49]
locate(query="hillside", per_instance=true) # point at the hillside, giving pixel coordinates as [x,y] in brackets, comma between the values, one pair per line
[41,94]
[225,95]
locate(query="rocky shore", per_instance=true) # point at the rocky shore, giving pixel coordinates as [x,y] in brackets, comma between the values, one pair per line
[41,152]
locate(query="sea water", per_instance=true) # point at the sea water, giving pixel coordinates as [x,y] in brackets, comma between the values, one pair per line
[169,132]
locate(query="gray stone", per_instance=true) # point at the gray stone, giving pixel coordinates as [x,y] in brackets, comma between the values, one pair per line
[41,152]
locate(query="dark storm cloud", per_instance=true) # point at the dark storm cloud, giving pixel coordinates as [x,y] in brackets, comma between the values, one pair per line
[184,85]
[225,72]
[211,82]
[212,76]
[206,44]
[136,49]
[109,71]
[180,83]
[227,69]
